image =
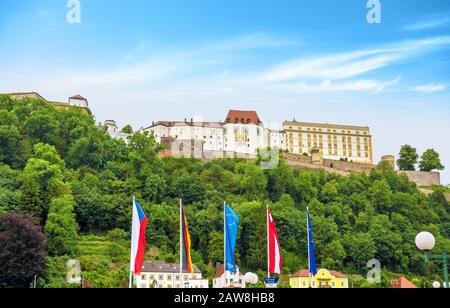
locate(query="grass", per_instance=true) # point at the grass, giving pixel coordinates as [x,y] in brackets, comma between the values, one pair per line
[104,264]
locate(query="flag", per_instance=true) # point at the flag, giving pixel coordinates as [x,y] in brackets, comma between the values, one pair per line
[186,245]
[275,258]
[231,230]
[138,242]
[311,250]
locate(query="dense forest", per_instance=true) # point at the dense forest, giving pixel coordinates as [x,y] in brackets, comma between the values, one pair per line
[63,176]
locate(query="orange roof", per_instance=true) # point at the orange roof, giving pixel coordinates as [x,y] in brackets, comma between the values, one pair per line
[220,271]
[78,96]
[244,117]
[304,273]
[403,283]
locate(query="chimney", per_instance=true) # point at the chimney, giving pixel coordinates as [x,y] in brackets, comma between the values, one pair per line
[192,120]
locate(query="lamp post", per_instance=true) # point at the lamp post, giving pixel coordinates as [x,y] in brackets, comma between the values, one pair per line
[426,241]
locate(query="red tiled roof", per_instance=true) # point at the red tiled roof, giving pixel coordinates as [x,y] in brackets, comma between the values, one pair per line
[304,273]
[403,283]
[78,96]
[245,117]
[220,271]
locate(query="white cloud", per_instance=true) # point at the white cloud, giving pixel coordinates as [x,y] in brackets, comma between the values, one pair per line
[353,63]
[431,88]
[432,22]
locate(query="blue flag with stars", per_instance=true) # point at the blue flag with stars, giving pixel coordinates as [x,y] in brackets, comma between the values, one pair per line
[231,230]
[311,250]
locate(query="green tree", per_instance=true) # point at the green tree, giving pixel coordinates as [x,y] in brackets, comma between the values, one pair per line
[215,247]
[430,161]
[41,127]
[127,129]
[61,227]
[408,158]
[42,180]
[361,248]
[252,180]
[22,251]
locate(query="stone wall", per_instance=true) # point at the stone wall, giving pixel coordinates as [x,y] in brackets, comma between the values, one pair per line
[299,164]
[348,166]
[423,178]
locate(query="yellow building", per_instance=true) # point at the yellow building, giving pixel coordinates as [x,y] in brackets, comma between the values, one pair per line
[336,142]
[323,280]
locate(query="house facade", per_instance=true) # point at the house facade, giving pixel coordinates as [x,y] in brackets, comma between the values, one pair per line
[324,279]
[160,275]
[228,280]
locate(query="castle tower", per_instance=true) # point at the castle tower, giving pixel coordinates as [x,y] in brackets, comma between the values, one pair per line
[78,101]
[111,126]
[390,159]
[317,156]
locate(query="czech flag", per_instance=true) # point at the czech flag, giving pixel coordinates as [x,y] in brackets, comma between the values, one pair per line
[138,241]
[186,242]
[275,258]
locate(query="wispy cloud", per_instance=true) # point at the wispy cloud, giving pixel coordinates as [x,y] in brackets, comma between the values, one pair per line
[202,72]
[432,22]
[353,63]
[431,88]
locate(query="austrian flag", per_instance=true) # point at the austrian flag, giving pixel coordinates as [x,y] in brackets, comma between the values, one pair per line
[275,259]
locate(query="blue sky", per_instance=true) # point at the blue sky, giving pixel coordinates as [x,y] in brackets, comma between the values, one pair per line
[139,61]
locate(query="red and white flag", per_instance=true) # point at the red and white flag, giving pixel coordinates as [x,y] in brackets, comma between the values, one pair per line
[275,258]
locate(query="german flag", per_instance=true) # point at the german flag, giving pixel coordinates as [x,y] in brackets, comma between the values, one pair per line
[186,251]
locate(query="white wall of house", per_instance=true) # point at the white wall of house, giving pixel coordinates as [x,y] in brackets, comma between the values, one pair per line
[168,280]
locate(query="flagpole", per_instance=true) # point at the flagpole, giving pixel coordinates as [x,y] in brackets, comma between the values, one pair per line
[268,242]
[309,246]
[225,242]
[131,249]
[181,244]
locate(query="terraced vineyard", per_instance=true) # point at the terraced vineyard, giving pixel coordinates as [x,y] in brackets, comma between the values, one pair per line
[103,260]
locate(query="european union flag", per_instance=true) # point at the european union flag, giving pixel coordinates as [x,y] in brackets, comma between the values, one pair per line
[231,230]
[311,250]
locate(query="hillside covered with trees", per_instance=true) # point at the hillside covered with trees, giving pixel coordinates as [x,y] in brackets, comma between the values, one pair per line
[69,186]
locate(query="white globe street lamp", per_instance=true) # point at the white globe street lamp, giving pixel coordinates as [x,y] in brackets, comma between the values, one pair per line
[436,285]
[425,241]
[251,278]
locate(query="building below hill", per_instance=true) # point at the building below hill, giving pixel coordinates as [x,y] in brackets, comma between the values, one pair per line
[74,101]
[324,279]
[228,280]
[160,275]
[403,283]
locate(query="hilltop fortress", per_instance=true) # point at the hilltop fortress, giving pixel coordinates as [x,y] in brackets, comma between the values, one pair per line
[243,134]
[339,149]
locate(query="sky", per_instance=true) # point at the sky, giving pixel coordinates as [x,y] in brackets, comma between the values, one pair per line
[140,61]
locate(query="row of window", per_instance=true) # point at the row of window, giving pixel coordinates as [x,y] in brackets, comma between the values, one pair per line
[323,284]
[161,277]
[329,130]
